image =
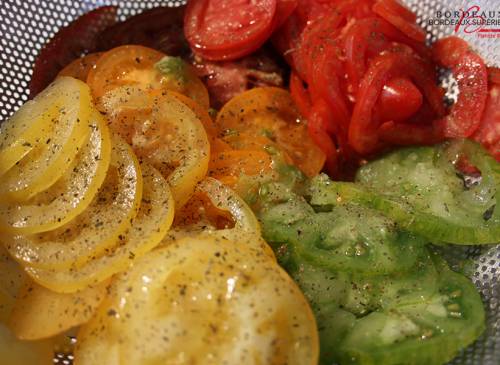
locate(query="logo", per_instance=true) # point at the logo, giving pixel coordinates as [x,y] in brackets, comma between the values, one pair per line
[474,20]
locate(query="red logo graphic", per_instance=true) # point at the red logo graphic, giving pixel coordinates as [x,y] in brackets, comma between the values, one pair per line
[473,20]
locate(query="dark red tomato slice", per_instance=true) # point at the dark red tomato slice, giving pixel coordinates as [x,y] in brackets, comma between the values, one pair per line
[391,11]
[300,95]
[400,99]
[494,75]
[284,8]
[286,38]
[472,78]
[363,129]
[488,133]
[225,80]
[215,28]
[68,44]
[159,28]
[316,126]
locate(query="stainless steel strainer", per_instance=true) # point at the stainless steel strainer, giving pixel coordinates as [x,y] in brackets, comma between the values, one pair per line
[25,26]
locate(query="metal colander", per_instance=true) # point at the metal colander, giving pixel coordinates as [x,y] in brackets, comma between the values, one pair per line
[25,26]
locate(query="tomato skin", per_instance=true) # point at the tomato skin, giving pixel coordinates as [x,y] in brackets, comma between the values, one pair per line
[214,37]
[400,99]
[80,36]
[465,115]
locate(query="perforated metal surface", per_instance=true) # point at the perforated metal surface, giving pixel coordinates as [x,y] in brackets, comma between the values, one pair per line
[25,25]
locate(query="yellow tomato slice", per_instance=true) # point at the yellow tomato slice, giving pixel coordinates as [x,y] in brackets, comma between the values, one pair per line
[12,278]
[148,228]
[270,112]
[135,65]
[224,198]
[41,313]
[202,301]
[50,128]
[70,195]
[17,352]
[164,132]
[217,210]
[97,228]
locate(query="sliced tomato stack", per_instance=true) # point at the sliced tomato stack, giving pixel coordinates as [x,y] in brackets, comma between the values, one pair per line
[364,78]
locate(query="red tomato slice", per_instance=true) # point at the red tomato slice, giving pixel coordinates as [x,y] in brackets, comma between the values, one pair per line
[488,133]
[465,115]
[316,126]
[284,8]
[363,129]
[397,7]
[312,42]
[69,43]
[216,28]
[325,80]
[448,51]
[367,38]
[399,18]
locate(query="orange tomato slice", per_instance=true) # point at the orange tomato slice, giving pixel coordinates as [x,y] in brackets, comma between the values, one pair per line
[136,66]
[125,65]
[80,68]
[200,111]
[270,112]
[237,162]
